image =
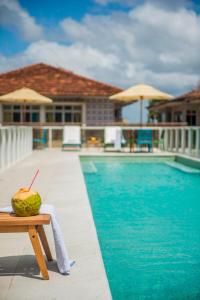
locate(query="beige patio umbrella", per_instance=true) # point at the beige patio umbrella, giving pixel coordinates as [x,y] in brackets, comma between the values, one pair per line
[24,96]
[140,92]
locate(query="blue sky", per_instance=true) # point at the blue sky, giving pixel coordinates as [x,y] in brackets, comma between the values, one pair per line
[122,42]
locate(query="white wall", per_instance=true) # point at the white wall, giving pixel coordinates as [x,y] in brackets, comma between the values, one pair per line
[15,144]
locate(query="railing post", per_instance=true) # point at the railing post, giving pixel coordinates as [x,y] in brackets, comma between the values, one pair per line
[9,147]
[183,136]
[50,138]
[171,140]
[159,138]
[190,141]
[14,143]
[176,140]
[6,148]
[166,137]
[197,146]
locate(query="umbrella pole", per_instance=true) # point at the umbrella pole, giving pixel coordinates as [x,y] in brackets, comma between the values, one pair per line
[141,111]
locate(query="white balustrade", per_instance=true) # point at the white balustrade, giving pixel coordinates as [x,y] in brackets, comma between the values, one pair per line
[182,139]
[177,139]
[15,144]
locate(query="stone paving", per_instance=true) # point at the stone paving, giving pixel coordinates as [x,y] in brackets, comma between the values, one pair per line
[60,183]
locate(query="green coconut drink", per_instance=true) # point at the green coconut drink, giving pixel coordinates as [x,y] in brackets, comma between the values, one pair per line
[26,203]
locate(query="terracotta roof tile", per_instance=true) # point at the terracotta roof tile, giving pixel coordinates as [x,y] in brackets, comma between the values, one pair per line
[192,95]
[52,81]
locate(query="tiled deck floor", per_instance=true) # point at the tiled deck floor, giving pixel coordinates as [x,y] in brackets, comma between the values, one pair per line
[60,183]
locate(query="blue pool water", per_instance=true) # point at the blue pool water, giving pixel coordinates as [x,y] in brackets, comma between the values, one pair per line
[147,216]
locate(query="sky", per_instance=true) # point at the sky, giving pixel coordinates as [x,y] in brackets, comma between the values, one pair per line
[121,42]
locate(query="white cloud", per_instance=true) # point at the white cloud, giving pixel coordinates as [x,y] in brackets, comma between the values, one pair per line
[151,43]
[79,58]
[12,15]
[148,44]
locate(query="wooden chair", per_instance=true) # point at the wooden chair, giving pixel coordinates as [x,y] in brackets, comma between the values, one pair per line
[9,223]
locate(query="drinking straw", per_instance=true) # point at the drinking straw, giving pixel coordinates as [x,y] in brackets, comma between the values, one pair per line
[33,180]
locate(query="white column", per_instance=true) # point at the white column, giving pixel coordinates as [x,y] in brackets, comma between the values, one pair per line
[190,140]
[14,142]
[197,146]
[9,149]
[50,137]
[17,143]
[171,140]
[165,139]
[183,136]
[176,140]
[159,137]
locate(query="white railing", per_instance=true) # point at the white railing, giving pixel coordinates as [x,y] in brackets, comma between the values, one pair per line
[177,139]
[15,144]
[184,140]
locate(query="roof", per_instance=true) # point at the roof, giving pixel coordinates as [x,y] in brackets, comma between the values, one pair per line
[53,81]
[192,95]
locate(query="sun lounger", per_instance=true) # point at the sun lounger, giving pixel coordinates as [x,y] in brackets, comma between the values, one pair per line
[113,138]
[71,138]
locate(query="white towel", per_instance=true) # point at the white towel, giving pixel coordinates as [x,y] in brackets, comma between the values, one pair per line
[118,139]
[72,135]
[110,134]
[63,262]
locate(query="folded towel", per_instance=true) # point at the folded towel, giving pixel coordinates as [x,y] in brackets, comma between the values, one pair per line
[118,139]
[72,135]
[63,262]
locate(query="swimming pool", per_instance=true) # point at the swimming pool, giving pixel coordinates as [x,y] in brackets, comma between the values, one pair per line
[147,216]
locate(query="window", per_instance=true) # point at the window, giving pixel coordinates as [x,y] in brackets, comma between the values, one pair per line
[64,114]
[16,117]
[11,113]
[17,113]
[7,116]
[77,117]
[49,117]
[58,117]
[191,117]
[68,117]
[178,116]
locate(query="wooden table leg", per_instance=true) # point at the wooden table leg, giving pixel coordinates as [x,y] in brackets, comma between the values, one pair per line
[38,251]
[44,242]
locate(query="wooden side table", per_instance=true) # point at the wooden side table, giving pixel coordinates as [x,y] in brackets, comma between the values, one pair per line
[9,223]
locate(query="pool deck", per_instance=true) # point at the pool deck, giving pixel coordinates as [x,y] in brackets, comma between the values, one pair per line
[60,183]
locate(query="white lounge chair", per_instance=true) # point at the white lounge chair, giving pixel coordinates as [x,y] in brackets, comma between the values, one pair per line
[113,138]
[71,137]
